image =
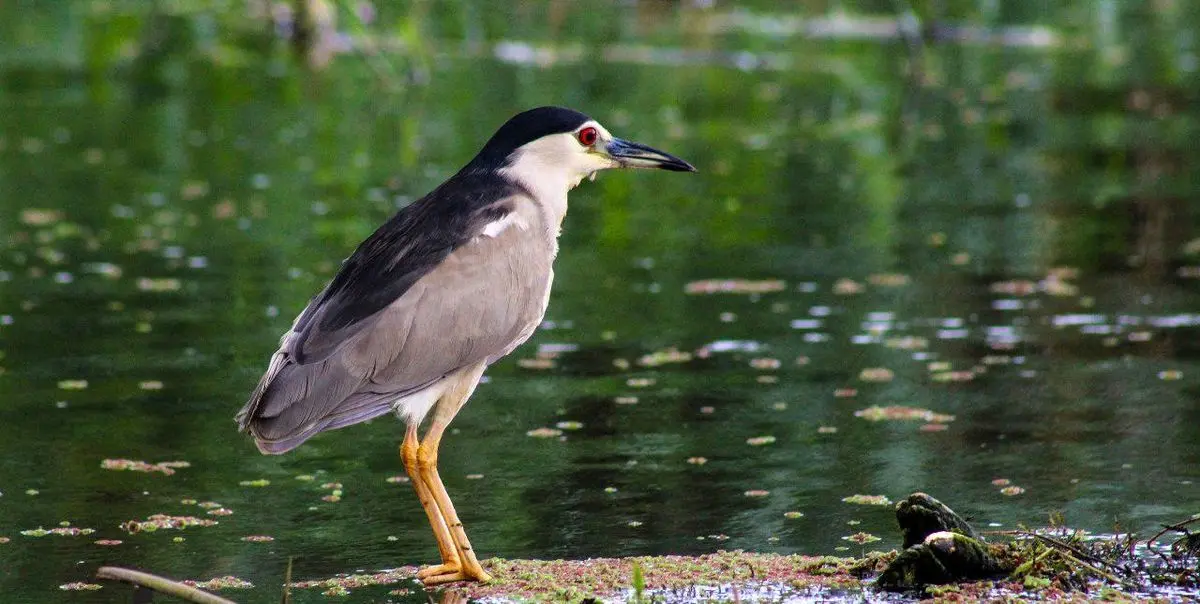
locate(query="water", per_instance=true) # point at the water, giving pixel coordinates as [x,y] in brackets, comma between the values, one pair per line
[1008,243]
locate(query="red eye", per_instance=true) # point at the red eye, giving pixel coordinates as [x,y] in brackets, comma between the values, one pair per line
[587,136]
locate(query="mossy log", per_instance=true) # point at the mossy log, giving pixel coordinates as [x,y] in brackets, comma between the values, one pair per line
[940,547]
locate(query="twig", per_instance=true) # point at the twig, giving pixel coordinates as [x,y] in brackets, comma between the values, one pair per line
[160,584]
[287,582]
[1074,550]
[1179,527]
[1027,567]
[1098,570]
[1066,550]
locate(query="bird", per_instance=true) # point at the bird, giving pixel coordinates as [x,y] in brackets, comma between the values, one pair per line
[447,286]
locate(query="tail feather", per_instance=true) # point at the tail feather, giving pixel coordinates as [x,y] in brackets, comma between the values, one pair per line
[293,403]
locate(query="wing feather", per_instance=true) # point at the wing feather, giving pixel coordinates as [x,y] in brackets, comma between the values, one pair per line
[477,302]
[410,245]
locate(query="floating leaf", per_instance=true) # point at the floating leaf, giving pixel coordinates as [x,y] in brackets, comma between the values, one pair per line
[907,343]
[165,284]
[734,286]
[867,500]
[544,433]
[888,279]
[765,363]
[953,376]
[861,538]
[847,287]
[218,583]
[663,357]
[80,586]
[39,217]
[60,531]
[893,413]
[163,521]
[536,363]
[876,374]
[335,492]
[165,468]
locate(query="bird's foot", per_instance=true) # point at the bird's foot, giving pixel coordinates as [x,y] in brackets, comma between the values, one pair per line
[450,572]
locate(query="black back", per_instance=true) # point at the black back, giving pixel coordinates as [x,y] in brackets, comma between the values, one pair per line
[409,245]
[420,236]
[526,127]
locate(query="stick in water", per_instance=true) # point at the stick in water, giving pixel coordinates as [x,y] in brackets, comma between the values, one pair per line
[161,585]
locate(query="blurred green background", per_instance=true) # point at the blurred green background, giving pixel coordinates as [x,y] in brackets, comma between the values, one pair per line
[980,208]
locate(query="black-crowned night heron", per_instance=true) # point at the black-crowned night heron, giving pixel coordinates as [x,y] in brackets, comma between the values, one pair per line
[450,284]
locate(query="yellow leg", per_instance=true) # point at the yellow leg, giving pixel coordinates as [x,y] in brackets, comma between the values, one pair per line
[427,463]
[450,561]
[445,410]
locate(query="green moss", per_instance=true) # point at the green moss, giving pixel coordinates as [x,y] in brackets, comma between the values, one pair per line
[557,580]
[614,578]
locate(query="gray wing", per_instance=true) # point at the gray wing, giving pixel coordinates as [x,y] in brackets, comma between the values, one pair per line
[485,298]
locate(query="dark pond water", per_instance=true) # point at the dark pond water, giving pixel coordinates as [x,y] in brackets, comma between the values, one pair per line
[1003,239]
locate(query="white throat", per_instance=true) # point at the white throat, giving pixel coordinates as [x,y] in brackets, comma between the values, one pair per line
[550,167]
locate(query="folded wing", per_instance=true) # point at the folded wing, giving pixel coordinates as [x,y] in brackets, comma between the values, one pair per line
[415,302]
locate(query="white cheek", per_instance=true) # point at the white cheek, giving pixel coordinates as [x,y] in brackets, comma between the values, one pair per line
[591,162]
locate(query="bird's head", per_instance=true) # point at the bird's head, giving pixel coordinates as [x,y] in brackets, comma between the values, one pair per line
[553,147]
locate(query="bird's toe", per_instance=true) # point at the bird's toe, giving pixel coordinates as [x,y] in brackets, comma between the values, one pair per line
[437,570]
[432,580]
[449,573]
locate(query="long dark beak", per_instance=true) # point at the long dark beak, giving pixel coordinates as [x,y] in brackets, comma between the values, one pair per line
[636,155]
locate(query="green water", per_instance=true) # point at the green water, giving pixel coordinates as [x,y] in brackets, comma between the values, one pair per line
[175,185]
